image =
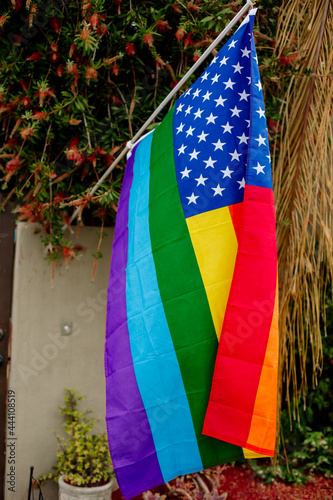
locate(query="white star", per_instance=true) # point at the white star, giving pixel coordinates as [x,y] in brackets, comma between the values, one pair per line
[194,154]
[243,139]
[243,95]
[261,140]
[258,85]
[227,172]
[189,131]
[232,44]
[202,136]
[246,52]
[215,79]
[214,60]
[235,111]
[198,113]
[192,199]
[180,128]
[211,119]
[224,61]
[207,96]
[238,68]
[180,108]
[249,78]
[182,149]
[219,101]
[235,155]
[201,180]
[218,190]
[188,110]
[185,173]
[196,93]
[227,128]
[188,91]
[261,113]
[219,145]
[248,123]
[259,168]
[204,76]
[241,183]
[210,162]
[255,57]
[229,84]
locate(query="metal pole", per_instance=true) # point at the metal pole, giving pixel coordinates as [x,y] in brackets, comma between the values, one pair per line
[30,482]
[129,145]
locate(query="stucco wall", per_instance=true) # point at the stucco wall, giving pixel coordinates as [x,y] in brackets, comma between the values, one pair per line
[43,361]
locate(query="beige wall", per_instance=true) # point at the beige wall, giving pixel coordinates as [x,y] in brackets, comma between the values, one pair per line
[44,362]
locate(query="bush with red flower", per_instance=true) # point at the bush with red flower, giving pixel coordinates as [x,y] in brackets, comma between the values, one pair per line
[77,80]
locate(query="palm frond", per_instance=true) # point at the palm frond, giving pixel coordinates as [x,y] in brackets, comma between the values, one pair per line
[303,181]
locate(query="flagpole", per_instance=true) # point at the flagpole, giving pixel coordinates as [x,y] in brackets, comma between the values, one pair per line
[249,4]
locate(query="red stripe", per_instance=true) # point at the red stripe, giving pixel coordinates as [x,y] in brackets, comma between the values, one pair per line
[247,322]
[236,216]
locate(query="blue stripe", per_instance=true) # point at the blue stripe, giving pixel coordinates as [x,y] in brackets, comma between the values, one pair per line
[155,362]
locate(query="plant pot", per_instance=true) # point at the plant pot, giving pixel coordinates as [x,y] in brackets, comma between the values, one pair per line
[69,492]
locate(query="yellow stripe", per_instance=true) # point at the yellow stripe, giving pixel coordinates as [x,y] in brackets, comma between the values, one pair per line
[215,245]
[252,454]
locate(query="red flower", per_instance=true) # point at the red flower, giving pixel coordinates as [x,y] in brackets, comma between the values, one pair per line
[11,144]
[24,84]
[174,84]
[73,154]
[60,70]
[74,121]
[102,29]
[74,142]
[26,102]
[55,56]
[115,70]
[68,254]
[31,213]
[148,39]
[35,56]
[188,41]
[91,74]
[196,56]
[284,60]
[272,125]
[59,197]
[11,167]
[26,133]
[3,19]
[39,115]
[115,101]
[94,21]
[162,25]
[55,24]
[180,34]
[130,49]
[17,4]
[54,47]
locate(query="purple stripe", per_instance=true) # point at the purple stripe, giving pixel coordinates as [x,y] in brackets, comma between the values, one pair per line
[131,444]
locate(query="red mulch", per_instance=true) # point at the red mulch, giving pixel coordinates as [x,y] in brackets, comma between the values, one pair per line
[241,484]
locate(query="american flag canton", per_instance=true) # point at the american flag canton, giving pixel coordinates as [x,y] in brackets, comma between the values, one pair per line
[218,148]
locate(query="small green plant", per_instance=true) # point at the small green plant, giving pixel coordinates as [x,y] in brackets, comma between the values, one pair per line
[82,457]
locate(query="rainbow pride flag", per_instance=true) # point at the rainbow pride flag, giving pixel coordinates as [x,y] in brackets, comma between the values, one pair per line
[192,342]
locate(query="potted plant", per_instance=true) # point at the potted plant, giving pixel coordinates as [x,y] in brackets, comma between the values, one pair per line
[83,465]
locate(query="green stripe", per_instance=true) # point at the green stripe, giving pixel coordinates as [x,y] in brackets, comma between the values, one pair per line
[182,291]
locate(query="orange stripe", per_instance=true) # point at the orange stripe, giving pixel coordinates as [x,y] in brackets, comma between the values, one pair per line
[263,424]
